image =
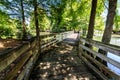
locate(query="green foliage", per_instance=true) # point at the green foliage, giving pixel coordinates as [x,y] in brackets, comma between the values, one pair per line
[99,21]
[99,24]
[56,12]
[8,26]
[100,8]
[55,15]
[73,15]
[44,22]
[117,21]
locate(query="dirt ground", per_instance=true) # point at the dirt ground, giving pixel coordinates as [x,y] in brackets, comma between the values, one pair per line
[8,44]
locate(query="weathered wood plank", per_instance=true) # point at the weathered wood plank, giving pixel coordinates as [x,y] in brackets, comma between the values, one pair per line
[103,57]
[102,67]
[47,35]
[24,75]
[18,66]
[9,58]
[94,69]
[113,49]
[43,46]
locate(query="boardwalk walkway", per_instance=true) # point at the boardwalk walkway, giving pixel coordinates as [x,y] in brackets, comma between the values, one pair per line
[61,63]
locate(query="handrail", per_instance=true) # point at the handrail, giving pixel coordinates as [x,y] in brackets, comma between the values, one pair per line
[17,63]
[92,61]
[103,57]
[106,47]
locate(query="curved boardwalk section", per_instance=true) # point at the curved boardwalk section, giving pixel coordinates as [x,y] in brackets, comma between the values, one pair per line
[61,63]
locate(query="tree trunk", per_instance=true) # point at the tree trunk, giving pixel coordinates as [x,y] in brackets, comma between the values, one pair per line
[109,25]
[36,23]
[36,18]
[109,22]
[91,22]
[23,21]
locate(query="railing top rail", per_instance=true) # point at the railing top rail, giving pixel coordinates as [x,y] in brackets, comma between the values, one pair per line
[107,47]
[31,40]
[52,34]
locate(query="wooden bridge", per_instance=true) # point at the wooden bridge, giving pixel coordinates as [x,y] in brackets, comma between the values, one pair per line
[61,56]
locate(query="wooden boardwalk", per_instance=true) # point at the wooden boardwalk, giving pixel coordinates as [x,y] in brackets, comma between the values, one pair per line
[61,63]
[58,59]
[71,39]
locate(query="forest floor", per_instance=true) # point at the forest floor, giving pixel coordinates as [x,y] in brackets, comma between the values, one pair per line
[8,44]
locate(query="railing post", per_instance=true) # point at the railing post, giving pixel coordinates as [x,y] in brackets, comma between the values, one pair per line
[79,48]
[61,36]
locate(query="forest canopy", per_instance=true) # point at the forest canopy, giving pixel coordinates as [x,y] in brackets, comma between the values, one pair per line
[17,16]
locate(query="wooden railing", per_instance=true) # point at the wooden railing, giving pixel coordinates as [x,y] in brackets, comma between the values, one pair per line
[17,63]
[103,71]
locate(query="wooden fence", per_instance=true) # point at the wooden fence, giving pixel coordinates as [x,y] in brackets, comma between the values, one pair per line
[17,63]
[103,71]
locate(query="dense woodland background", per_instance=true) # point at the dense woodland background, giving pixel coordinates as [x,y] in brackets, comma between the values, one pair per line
[19,18]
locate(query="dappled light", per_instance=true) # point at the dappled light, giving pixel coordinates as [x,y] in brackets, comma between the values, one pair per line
[61,64]
[8,44]
[65,50]
[1,45]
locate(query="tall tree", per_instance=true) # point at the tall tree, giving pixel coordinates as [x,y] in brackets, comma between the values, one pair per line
[109,22]
[23,20]
[17,9]
[36,22]
[56,11]
[36,17]
[92,20]
[109,26]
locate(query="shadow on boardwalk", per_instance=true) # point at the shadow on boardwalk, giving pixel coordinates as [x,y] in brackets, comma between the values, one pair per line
[61,63]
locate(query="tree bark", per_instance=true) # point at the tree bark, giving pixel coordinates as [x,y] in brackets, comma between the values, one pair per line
[23,21]
[91,24]
[36,23]
[92,20]
[36,18]
[108,27]
[109,22]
